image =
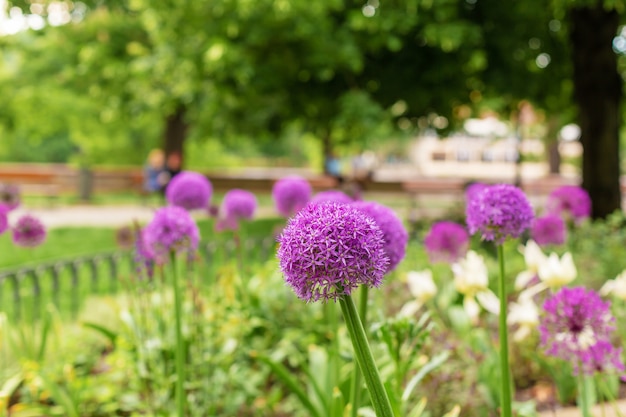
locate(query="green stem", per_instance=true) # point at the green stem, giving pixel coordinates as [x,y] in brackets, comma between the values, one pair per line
[365,359]
[180,346]
[606,390]
[505,399]
[583,395]
[355,389]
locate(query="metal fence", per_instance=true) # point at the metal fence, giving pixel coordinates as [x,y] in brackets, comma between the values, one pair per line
[26,291]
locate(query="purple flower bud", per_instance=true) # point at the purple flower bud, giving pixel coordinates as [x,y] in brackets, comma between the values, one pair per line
[10,196]
[498,212]
[446,242]
[189,190]
[171,229]
[328,249]
[574,321]
[332,195]
[291,194]
[569,200]
[29,231]
[548,230]
[394,233]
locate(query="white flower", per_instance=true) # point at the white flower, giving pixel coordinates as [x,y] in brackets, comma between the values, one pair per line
[422,287]
[534,257]
[471,279]
[616,286]
[555,272]
[525,314]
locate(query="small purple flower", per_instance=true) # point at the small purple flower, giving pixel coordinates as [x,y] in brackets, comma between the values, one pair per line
[4,218]
[548,230]
[569,200]
[291,194]
[394,232]
[10,196]
[499,211]
[446,242]
[171,229]
[28,231]
[237,205]
[189,190]
[328,249]
[332,195]
[574,320]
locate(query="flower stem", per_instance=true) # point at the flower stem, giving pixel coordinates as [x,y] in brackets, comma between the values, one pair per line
[505,398]
[180,346]
[355,389]
[365,359]
[583,394]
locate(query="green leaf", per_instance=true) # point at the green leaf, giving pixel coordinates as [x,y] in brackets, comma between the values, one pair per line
[424,370]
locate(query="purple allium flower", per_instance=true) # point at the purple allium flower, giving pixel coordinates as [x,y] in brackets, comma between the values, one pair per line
[446,242]
[29,231]
[332,195]
[189,190]
[237,205]
[548,230]
[290,194]
[602,357]
[4,218]
[473,189]
[10,196]
[499,211]
[171,229]
[574,320]
[328,249]
[394,232]
[569,200]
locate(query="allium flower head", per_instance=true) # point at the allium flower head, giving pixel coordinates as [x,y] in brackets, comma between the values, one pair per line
[570,201]
[10,196]
[328,249]
[189,190]
[28,231]
[548,230]
[602,357]
[290,194]
[574,320]
[498,212]
[237,205]
[143,257]
[332,195]
[446,242]
[171,229]
[394,233]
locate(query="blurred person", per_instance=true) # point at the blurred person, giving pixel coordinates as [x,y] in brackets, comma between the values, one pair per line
[153,171]
[332,166]
[173,166]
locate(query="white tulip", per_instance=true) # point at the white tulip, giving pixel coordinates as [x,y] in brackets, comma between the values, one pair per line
[616,286]
[525,314]
[422,287]
[555,272]
[471,279]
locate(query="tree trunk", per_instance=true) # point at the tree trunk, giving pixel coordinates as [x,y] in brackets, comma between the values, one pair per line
[552,144]
[175,132]
[327,150]
[597,93]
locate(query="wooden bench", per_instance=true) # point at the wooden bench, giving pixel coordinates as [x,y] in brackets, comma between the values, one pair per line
[33,183]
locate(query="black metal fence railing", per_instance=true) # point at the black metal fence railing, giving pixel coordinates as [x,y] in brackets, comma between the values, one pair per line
[25,292]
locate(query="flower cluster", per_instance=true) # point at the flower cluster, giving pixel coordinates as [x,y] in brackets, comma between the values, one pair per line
[237,205]
[328,249]
[189,190]
[394,233]
[577,326]
[28,231]
[548,230]
[291,194]
[332,195]
[446,242]
[171,230]
[571,201]
[499,211]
